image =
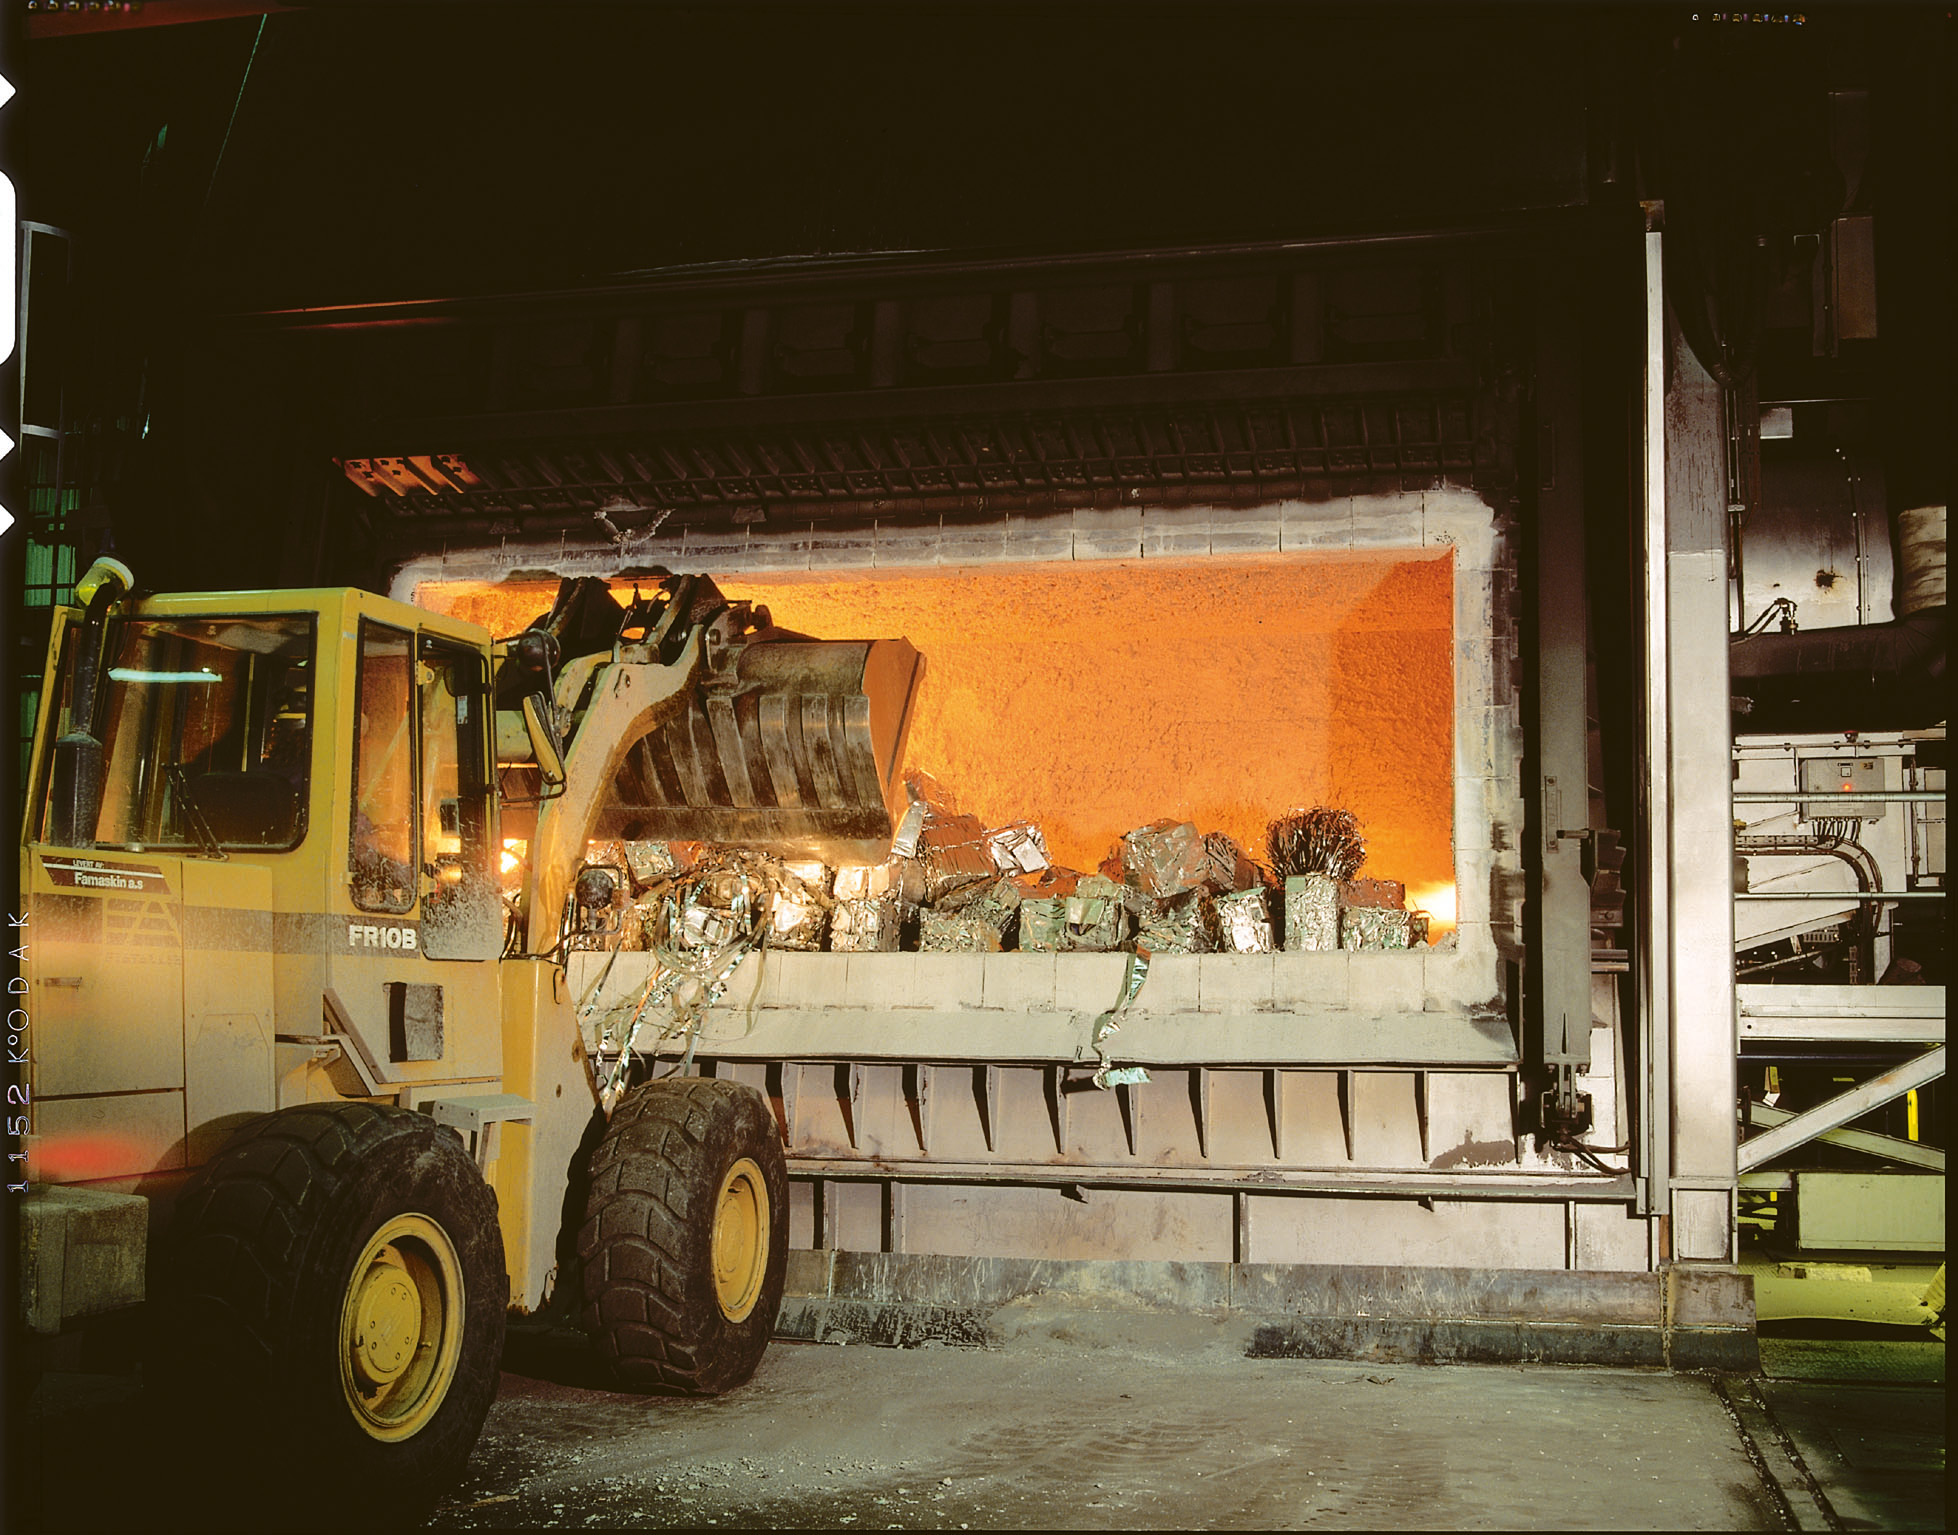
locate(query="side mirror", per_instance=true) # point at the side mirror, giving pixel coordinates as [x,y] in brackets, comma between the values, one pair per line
[543,741]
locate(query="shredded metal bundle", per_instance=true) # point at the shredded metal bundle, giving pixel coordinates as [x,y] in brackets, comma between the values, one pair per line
[996,903]
[1317,841]
[1225,866]
[651,861]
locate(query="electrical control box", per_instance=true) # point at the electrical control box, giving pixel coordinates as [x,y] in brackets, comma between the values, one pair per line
[1830,786]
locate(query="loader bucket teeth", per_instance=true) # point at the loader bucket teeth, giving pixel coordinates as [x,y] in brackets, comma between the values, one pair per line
[798,753]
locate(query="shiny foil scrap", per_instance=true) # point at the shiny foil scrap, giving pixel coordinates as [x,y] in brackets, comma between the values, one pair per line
[795,923]
[1164,858]
[954,852]
[1373,928]
[650,861]
[1096,916]
[859,882]
[1018,849]
[962,932]
[706,927]
[1244,921]
[1043,924]
[1311,912]
[865,924]
[996,903]
[1181,924]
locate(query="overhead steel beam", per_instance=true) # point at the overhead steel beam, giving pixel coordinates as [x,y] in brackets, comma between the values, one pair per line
[1855,1103]
[1328,381]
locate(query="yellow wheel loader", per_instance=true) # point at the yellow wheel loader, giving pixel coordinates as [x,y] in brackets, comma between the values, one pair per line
[299,870]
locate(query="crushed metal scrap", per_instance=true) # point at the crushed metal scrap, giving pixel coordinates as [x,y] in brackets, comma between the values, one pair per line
[951,884]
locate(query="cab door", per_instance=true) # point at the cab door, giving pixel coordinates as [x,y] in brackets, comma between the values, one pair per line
[412,965]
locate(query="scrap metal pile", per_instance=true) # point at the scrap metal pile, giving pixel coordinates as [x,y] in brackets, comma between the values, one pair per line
[953,884]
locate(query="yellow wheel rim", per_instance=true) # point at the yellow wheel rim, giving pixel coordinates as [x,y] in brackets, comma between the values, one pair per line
[740,1239]
[401,1327]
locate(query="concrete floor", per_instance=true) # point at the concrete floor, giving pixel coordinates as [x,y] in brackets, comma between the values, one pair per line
[1124,1418]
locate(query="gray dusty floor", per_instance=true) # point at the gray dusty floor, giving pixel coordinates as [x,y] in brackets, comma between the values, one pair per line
[1109,1419]
[1099,1421]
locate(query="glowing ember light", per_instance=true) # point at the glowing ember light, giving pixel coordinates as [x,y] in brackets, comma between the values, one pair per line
[1438,901]
[1099,696]
[513,854]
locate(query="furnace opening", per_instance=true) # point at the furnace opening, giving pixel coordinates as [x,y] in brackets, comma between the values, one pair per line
[1095,697]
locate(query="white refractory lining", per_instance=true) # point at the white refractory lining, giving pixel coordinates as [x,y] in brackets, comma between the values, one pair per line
[1920,543]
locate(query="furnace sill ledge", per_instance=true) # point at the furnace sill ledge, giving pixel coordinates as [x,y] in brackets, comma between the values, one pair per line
[1417,1008]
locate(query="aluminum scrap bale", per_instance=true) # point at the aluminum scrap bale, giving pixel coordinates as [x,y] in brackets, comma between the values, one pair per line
[954,852]
[1051,881]
[996,903]
[799,910]
[1387,894]
[1180,924]
[1244,921]
[1164,858]
[866,924]
[857,882]
[957,932]
[1043,924]
[1097,916]
[1311,912]
[1373,928]
[1018,849]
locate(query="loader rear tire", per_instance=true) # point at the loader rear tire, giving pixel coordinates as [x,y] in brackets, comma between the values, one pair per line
[333,1279]
[685,1240]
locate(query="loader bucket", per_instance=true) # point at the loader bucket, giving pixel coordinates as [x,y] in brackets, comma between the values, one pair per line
[797,753]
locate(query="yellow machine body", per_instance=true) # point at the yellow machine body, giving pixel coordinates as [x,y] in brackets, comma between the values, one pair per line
[294,891]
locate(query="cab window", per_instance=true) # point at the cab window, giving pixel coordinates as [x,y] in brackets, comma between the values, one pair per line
[206,730]
[384,839]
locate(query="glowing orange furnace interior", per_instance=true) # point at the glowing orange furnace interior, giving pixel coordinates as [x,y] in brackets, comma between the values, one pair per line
[1092,698]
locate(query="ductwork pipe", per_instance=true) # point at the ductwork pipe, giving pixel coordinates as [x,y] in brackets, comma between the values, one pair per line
[1870,677]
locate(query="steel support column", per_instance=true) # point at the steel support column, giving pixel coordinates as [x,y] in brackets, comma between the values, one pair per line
[1560,922]
[1698,823]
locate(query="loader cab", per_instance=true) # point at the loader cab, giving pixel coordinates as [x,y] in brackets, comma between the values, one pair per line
[280,882]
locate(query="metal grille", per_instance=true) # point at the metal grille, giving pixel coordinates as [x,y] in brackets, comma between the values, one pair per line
[1235,453]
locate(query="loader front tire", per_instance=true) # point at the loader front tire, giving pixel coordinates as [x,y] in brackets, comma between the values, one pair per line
[334,1277]
[685,1240]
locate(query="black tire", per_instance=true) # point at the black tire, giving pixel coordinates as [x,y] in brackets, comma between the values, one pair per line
[333,1281]
[685,1162]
